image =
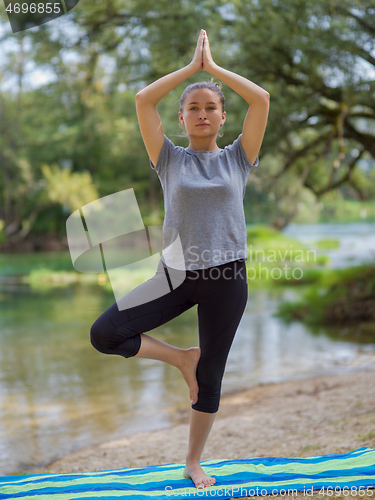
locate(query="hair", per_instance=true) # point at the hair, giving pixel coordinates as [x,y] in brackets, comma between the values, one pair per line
[214,86]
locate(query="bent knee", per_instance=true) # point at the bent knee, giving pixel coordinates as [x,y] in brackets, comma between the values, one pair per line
[108,339]
[100,335]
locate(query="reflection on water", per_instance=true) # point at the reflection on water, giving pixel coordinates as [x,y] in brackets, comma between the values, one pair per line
[357,241]
[266,349]
[59,394]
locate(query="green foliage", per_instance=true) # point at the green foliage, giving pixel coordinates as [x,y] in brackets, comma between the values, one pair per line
[267,247]
[44,279]
[64,187]
[314,57]
[2,236]
[262,232]
[345,211]
[328,244]
[343,297]
[271,246]
[16,264]
[278,260]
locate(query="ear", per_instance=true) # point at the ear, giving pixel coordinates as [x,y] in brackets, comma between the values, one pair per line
[180,117]
[223,118]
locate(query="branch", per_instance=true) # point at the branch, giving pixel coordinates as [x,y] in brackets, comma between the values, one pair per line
[361,21]
[114,20]
[332,186]
[362,115]
[298,154]
[357,189]
[26,226]
[367,140]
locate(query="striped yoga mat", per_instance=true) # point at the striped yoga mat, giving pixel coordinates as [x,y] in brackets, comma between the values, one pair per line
[234,478]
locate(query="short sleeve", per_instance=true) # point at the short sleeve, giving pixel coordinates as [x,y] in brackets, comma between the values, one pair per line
[166,155]
[240,156]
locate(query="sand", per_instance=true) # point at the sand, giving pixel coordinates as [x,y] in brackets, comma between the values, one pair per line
[322,415]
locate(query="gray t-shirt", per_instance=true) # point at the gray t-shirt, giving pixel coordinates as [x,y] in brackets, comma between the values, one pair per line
[203,202]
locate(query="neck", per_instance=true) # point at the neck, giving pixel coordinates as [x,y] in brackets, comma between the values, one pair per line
[203,143]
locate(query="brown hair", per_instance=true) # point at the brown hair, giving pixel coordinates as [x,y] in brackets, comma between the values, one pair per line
[216,87]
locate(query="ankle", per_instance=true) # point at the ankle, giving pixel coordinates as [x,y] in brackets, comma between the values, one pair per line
[178,358]
[182,359]
[192,460]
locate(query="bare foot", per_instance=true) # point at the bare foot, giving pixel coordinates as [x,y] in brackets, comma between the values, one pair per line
[188,369]
[199,478]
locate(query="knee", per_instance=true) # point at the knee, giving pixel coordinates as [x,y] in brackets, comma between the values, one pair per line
[99,335]
[108,339]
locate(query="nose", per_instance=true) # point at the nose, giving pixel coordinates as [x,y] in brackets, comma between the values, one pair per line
[202,114]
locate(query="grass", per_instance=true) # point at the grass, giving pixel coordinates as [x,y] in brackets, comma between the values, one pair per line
[47,278]
[344,296]
[273,259]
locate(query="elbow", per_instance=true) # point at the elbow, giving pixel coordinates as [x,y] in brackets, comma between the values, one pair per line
[138,96]
[139,99]
[142,98]
[266,100]
[262,99]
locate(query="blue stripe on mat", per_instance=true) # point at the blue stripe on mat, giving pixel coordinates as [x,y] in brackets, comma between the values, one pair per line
[234,478]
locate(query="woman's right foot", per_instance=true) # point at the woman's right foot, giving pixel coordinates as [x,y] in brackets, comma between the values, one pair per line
[198,476]
[188,368]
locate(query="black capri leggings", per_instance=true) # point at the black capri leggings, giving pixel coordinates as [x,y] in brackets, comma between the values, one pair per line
[221,295]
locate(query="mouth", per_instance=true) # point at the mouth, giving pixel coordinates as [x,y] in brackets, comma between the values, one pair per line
[202,125]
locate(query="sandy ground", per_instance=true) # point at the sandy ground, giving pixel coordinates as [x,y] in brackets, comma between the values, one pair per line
[323,415]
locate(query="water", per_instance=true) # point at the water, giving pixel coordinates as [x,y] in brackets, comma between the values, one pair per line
[59,394]
[356,241]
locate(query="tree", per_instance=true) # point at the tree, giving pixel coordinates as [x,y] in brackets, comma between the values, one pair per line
[316,60]
[314,57]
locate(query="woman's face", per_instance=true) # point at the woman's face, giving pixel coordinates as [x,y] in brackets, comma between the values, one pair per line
[202,113]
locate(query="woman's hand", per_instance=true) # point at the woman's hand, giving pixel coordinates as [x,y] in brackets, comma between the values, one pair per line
[208,62]
[197,61]
[255,122]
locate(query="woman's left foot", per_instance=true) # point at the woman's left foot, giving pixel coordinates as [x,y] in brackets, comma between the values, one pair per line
[199,478]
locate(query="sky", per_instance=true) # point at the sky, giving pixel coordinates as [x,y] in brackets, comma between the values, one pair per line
[35,77]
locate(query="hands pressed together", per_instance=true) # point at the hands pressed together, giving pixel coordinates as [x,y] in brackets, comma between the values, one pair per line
[202,59]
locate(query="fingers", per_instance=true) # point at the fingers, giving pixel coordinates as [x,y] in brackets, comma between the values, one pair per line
[202,56]
[201,38]
[207,57]
[198,55]
[205,41]
[206,45]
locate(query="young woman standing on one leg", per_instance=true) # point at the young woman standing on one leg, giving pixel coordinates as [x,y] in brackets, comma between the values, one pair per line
[203,192]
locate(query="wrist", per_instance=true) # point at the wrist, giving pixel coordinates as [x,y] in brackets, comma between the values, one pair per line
[194,67]
[211,68]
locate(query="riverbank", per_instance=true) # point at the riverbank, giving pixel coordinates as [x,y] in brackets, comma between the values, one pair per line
[322,415]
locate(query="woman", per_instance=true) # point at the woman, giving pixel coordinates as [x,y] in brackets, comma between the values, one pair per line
[203,191]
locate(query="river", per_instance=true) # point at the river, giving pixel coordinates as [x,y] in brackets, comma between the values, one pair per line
[59,394]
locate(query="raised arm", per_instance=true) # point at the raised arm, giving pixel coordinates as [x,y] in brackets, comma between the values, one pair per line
[255,122]
[147,99]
